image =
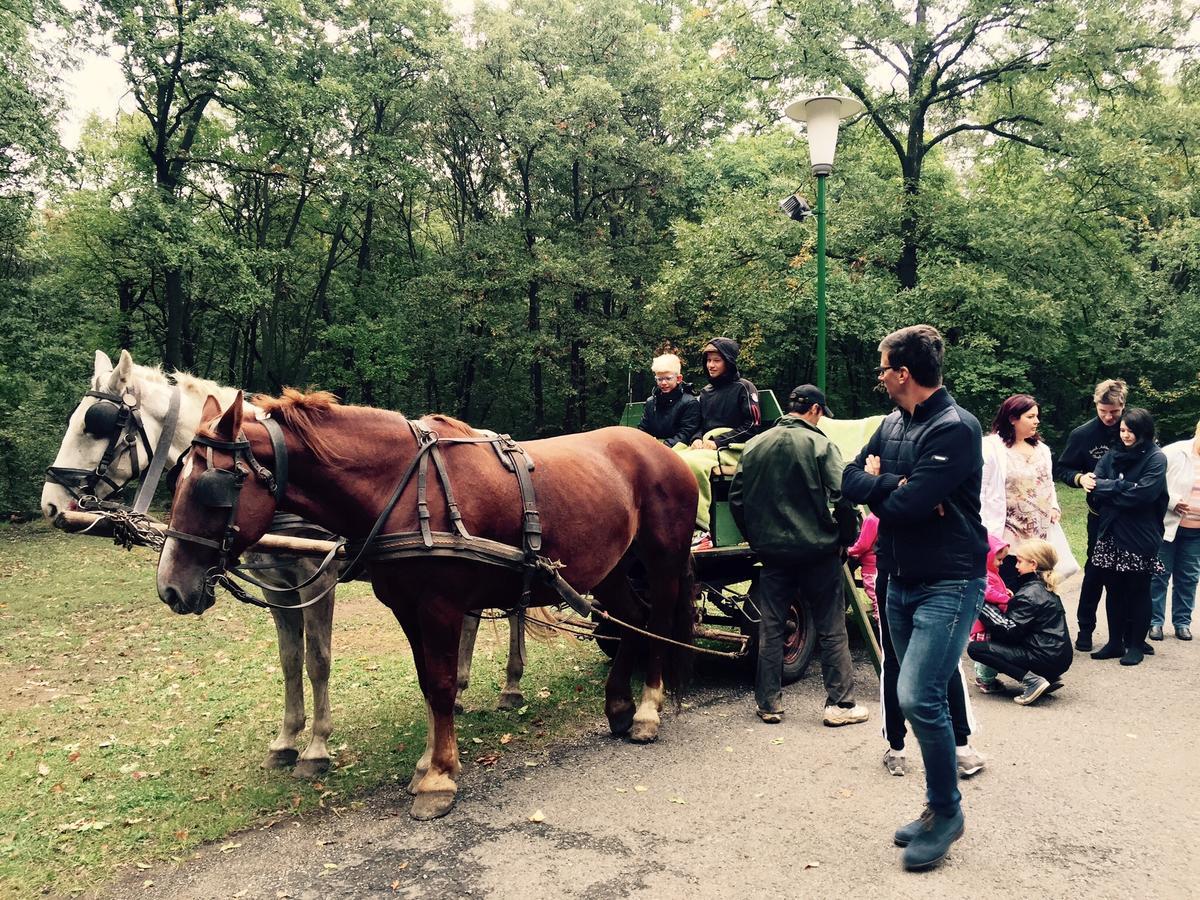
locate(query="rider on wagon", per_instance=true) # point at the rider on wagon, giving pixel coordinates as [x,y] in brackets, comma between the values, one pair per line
[730,416]
[672,412]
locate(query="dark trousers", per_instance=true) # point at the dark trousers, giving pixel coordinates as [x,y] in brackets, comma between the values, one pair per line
[1093,582]
[1014,660]
[819,584]
[1127,605]
[894,730]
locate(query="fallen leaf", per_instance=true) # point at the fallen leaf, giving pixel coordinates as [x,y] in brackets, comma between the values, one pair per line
[402,866]
[678,800]
[1134,736]
[538,816]
[181,834]
[622,790]
[777,741]
[530,763]
[543,694]
[73,756]
[640,788]
[506,738]
[728,749]
[488,759]
[812,865]
[476,740]
[845,792]
[142,865]
[43,769]
[229,848]
[330,865]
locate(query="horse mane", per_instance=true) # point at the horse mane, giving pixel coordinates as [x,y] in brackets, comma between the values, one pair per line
[301,412]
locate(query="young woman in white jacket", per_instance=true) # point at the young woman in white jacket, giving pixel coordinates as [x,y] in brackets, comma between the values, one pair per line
[1017,499]
[1180,551]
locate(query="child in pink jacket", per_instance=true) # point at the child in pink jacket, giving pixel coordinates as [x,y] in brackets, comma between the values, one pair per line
[864,551]
[998,595]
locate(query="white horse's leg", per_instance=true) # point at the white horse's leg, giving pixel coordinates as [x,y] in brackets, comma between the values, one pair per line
[318,630]
[426,757]
[511,697]
[466,650]
[646,719]
[289,626]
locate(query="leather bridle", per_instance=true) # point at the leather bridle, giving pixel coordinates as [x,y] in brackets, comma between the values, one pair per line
[119,418]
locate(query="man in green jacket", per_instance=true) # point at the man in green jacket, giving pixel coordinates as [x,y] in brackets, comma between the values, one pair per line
[786,497]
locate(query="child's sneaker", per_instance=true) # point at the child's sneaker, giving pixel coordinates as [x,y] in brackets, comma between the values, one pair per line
[701,540]
[990,686]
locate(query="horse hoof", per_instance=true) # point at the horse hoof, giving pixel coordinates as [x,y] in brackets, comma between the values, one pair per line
[281,759]
[509,700]
[432,804]
[644,732]
[310,768]
[620,721]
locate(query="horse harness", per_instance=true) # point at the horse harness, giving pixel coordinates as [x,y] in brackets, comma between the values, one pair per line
[221,488]
[118,417]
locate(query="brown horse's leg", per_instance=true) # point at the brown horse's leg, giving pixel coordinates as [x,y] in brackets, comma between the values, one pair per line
[614,594]
[664,590]
[466,651]
[289,627]
[441,630]
[318,631]
[511,697]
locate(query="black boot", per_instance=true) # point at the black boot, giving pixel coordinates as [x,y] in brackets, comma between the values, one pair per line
[1083,641]
[1132,656]
[1111,650]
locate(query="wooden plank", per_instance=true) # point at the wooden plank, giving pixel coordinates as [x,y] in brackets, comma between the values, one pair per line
[77,522]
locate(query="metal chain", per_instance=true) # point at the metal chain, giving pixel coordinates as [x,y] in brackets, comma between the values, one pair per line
[129,529]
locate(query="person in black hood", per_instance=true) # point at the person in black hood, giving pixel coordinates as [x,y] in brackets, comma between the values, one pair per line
[1128,493]
[672,412]
[728,400]
[1085,445]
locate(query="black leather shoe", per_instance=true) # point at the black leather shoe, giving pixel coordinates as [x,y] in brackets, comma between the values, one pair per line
[1184,633]
[931,843]
[1083,643]
[1147,650]
[1156,633]
[1109,651]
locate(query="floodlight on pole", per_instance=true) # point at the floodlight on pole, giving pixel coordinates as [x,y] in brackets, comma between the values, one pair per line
[823,115]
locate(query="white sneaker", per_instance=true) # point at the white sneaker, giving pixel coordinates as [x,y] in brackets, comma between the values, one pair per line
[836,715]
[970,761]
[895,762]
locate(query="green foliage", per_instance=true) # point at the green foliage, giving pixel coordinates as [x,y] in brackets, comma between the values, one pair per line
[504,217]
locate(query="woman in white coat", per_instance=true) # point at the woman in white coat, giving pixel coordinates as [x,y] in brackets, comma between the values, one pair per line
[1180,551]
[1018,501]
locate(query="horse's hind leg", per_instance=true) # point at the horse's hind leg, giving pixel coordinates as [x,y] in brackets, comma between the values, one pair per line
[665,586]
[318,630]
[466,652]
[289,627]
[511,697]
[614,595]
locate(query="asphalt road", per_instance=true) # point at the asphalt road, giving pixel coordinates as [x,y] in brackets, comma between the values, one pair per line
[1089,793]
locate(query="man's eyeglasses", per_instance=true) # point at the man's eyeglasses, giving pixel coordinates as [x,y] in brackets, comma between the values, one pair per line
[879,370]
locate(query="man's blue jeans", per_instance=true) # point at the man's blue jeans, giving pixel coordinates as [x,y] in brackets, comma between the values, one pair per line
[1181,560]
[930,622]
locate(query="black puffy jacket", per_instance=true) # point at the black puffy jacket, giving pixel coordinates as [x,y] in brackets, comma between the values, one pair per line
[1035,621]
[1131,497]
[730,401]
[929,527]
[673,417]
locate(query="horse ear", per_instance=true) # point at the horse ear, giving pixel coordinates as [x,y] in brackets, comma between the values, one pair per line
[103,368]
[212,409]
[231,422]
[122,374]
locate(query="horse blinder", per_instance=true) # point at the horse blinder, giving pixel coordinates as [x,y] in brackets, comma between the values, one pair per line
[218,488]
[102,419]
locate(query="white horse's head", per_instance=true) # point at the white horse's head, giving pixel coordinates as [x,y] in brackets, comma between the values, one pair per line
[98,453]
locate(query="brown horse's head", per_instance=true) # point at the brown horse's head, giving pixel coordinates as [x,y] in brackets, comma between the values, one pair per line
[221,507]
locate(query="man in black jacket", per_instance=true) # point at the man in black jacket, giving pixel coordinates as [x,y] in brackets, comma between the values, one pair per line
[1085,446]
[920,473]
[672,412]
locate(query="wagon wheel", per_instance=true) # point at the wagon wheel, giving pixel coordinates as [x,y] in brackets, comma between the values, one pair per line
[799,641]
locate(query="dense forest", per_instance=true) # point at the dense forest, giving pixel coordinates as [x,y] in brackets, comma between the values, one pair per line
[504,213]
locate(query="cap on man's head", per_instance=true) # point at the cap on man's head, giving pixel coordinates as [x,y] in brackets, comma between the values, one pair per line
[806,395]
[668,362]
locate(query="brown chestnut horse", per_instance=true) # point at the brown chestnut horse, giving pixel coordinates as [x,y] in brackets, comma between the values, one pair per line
[604,498]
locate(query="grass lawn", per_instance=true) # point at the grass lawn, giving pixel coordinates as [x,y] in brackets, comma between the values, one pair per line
[131,734]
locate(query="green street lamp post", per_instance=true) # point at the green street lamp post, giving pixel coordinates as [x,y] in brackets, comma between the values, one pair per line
[823,114]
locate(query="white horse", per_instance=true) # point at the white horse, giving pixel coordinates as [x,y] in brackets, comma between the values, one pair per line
[305,636]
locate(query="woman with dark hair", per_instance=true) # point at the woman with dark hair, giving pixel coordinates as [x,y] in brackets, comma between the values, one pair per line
[1017,501]
[1128,493]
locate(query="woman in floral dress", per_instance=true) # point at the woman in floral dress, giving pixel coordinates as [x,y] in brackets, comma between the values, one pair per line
[1018,500]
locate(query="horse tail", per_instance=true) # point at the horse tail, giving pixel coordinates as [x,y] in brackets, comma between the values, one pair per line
[541,623]
[678,661]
